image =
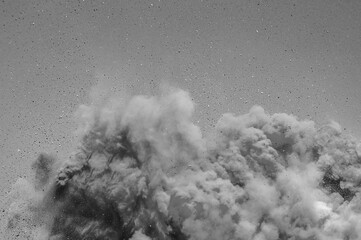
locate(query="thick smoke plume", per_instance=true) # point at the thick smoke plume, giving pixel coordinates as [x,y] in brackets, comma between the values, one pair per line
[144,171]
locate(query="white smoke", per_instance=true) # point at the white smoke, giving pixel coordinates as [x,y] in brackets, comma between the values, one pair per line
[144,171]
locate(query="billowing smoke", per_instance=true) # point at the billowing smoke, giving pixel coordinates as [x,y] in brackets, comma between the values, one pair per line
[144,171]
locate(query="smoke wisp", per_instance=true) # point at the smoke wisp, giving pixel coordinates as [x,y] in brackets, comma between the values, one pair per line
[144,171]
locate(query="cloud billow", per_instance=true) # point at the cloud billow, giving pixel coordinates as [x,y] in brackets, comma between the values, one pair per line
[144,171]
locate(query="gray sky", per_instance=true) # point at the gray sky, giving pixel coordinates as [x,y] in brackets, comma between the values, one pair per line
[299,57]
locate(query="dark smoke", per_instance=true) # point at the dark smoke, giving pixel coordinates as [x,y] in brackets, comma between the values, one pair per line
[143,171]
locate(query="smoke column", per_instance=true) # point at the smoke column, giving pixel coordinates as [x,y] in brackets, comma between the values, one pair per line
[144,171]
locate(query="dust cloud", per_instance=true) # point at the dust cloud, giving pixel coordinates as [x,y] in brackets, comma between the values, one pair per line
[144,171]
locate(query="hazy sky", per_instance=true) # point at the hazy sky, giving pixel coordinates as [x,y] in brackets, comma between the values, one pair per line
[299,57]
